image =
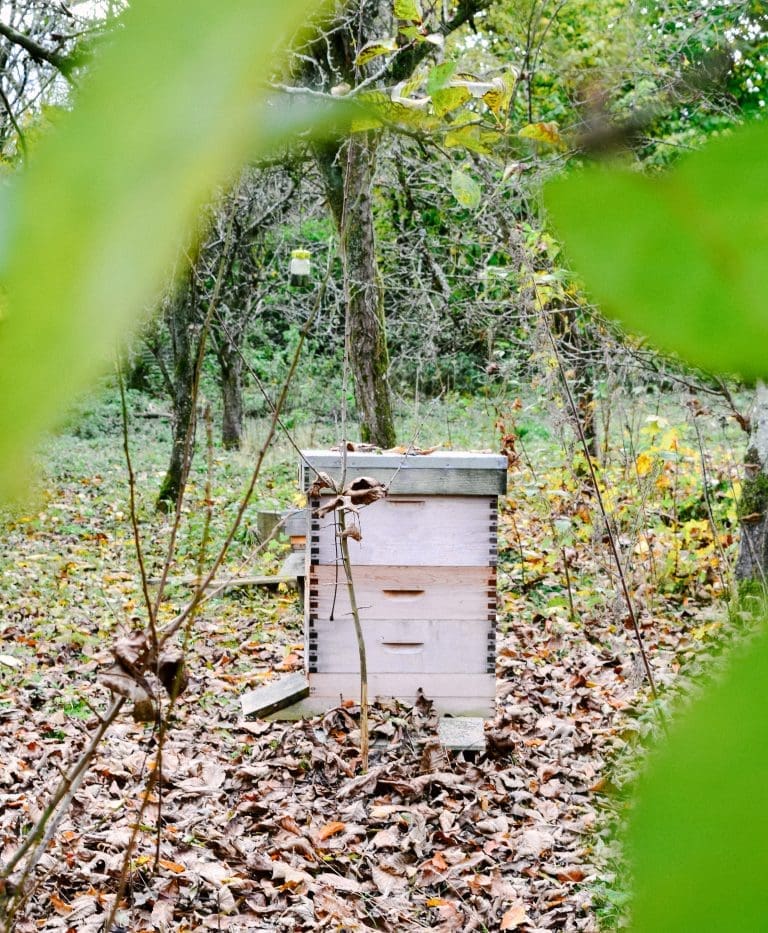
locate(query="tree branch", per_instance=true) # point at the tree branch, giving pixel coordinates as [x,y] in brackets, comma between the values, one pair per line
[39,53]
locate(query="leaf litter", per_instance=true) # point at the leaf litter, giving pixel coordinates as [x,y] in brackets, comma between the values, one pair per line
[270,825]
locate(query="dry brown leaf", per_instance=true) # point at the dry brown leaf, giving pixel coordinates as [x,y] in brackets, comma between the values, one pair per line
[176,867]
[330,829]
[60,905]
[339,882]
[387,881]
[532,842]
[514,916]
[322,481]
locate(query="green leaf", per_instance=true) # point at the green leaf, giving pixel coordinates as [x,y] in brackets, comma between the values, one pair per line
[465,189]
[374,49]
[679,257]
[91,228]
[448,99]
[439,76]
[699,831]
[408,10]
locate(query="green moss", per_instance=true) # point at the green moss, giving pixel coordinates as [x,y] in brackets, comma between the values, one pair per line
[754,496]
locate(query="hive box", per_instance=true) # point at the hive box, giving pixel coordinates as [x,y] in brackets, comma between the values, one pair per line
[424,573]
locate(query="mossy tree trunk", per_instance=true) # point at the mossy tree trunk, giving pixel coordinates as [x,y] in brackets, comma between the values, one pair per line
[183,326]
[231,376]
[752,562]
[347,172]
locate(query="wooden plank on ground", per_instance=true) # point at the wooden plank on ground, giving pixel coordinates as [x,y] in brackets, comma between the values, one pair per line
[273,697]
[462,733]
[268,581]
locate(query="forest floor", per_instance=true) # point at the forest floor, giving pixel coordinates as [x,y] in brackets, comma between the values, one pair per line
[272,825]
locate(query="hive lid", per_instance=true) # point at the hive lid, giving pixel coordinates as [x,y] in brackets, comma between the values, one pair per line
[450,472]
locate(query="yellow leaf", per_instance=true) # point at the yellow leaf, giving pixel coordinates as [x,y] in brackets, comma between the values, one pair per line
[374,49]
[548,133]
[497,99]
[644,465]
[450,98]
[408,10]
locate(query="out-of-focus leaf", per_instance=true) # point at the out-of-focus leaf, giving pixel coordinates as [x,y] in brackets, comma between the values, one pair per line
[91,227]
[547,133]
[680,257]
[465,189]
[698,836]
[409,10]
[374,49]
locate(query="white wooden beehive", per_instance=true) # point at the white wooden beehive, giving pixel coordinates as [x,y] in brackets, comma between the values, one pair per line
[424,576]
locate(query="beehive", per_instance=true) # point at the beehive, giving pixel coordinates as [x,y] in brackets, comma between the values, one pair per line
[425,581]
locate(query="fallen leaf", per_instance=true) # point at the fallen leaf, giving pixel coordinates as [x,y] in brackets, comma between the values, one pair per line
[514,916]
[330,829]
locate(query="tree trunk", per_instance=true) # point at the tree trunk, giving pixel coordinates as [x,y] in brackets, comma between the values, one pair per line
[752,562]
[182,326]
[231,369]
[348,177]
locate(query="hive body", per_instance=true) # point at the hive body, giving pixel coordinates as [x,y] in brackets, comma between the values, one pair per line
[424,574]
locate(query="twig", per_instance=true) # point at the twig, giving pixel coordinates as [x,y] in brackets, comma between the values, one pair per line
[601,504]
[364,734]
[723,560]
[46,826]
[151,616]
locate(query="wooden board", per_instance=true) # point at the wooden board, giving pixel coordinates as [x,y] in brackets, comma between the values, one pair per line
[480,707]
[404,686]
[437,531]
[443,473]
[402,647]
[404,592]
[269,581]
[275,696]
[295,524]
[461,733]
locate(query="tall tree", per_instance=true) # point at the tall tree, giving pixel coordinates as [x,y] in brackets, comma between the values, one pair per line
[343,58]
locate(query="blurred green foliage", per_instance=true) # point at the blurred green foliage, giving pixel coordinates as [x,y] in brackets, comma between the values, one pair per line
[682,258]
[92,225]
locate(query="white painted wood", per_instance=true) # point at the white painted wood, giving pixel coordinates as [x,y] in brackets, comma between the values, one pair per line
[443,473]
[436,687]
[436,531]
[404,592]
[480,706]
[325,460]
[401,647]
